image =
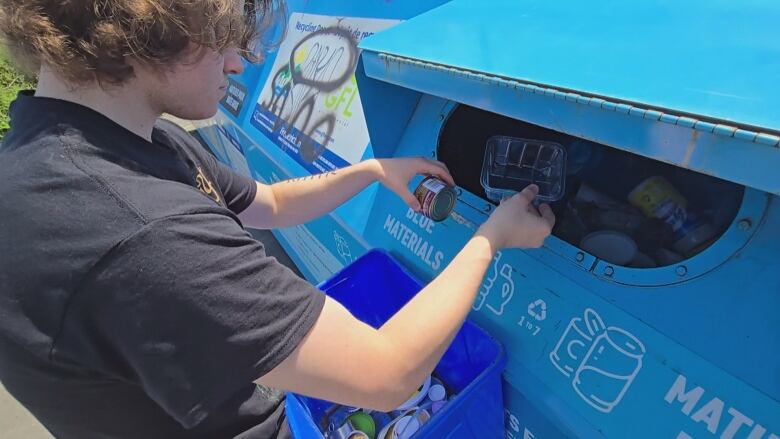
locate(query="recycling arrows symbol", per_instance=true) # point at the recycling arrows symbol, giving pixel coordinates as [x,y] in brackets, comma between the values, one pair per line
[538,309]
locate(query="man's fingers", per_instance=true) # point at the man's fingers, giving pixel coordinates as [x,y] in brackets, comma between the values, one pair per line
[439,164]
[411,201]
[527,195]
[438,169]
[547,214]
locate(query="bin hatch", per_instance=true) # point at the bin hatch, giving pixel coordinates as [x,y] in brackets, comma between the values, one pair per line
[713,59]
[699,65]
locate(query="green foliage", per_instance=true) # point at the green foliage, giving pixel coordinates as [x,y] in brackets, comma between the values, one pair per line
[11,81]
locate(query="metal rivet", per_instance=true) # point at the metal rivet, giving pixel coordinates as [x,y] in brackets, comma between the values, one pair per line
[580,256]
[441,117]
[744,224]
[488,207]
[682,270]
[609,271]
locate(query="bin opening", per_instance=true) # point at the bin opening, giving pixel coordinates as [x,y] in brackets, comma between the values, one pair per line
[621,207]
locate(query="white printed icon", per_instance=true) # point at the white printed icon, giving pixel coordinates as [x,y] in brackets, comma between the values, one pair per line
[538,309]
[602,361]
[342,246]
[496,302]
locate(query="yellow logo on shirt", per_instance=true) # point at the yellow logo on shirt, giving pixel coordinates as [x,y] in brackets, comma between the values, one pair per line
[205,185]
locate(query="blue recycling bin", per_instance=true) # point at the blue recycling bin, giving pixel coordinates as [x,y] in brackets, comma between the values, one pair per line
[615,328]
[373,288]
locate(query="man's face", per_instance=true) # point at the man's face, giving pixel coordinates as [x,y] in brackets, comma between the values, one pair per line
[192,88]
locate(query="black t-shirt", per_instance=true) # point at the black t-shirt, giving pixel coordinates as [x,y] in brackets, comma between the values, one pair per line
[132,301]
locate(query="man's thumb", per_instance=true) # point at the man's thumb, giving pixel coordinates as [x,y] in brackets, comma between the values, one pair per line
[412,201]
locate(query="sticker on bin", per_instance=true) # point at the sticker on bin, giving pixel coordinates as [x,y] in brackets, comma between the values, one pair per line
[511,164]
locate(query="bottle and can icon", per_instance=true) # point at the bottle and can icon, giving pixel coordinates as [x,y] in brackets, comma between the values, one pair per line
[601,361]
[608,369]
[575,341]
[436,198]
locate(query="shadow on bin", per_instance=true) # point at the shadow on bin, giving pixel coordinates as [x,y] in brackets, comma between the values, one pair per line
[375,287]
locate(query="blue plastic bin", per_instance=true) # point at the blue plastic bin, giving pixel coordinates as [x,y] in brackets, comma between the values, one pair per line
[373,288]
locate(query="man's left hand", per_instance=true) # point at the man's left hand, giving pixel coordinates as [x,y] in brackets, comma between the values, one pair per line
[396,173]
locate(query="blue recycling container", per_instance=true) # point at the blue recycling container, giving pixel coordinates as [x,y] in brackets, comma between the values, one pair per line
[673,337]
[373,288]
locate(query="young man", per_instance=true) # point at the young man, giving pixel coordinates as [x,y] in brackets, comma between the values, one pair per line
[132,301]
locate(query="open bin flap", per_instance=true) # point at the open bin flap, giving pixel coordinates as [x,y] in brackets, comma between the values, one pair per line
[699,75]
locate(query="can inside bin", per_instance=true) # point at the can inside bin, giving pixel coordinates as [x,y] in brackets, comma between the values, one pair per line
[601,209]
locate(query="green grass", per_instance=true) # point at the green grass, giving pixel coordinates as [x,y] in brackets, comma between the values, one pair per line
[11,81]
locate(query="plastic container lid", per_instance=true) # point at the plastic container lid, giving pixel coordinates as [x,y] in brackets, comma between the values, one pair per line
[406,427]
[437,392]
[402,427]
[418,395]
[614,247]
[511,164]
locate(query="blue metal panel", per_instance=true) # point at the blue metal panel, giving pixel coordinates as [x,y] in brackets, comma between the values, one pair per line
[385,132]
[528,419]
[712,58]
[696,305]
[716,334]
[731,158]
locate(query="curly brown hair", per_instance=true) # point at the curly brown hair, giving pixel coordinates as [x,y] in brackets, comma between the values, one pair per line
[87,40]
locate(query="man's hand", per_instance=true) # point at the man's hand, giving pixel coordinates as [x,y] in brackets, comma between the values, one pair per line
[517,223]
[292,202]
[396,173]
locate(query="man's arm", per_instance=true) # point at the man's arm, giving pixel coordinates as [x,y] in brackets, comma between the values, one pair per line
[344,360]
[300,200]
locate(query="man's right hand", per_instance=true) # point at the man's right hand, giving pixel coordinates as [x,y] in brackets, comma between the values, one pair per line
[517,223]
[344,360]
